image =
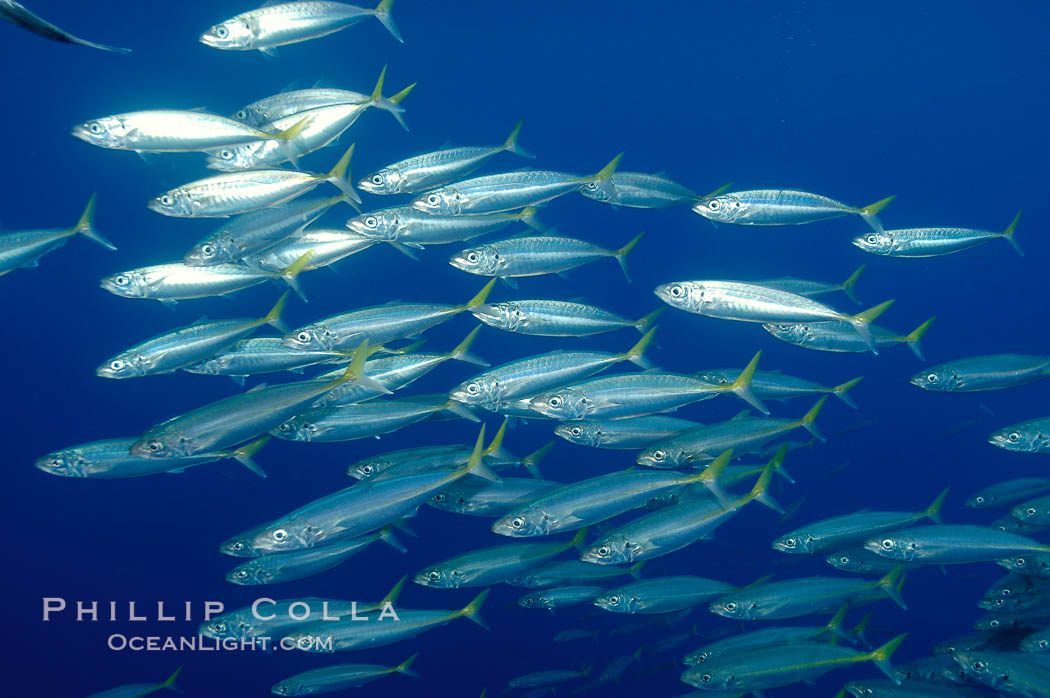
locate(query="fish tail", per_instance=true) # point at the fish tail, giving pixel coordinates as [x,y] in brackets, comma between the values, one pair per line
[393,105]
[471,610]
[476,464]
[862,323]
[889,584]
[913,337]
[496,445]
[621,255]
[721,190]
[397,98]
[577,540]
[760,491]
[386,534]
[636,354]
[834,626]
[340,176]
[528,217]
[462,350]
[848,284]
[1008,234]
[778,462]
[881,656]
[169,683]
[532,460]
[273,318]
[481,296]
[870,212]
[85,226]
[291,273]
[643,323]
[635,570]
[741,387]
[841,391]
[711,479]
[809,420]
[356,366]
[403,667]
[286,137]
[859,631]
[402,525]
[758,582]
[933,512]
[377,91]
[243,455]
[604,178]
[511,144]
[382,13]
[391,596]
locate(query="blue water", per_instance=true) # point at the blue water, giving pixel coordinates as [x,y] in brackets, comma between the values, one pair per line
[943,103]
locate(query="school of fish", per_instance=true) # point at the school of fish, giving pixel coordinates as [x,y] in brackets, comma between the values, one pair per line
[582,543]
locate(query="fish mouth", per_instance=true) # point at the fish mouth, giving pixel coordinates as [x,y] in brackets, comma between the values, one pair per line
[489,314]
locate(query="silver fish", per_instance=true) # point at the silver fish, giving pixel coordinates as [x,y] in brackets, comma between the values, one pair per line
[283,23]
[951,544]
[782,207]
[140,689]
[628,434]
[111,459]
[325,246]
[773,385]
[186,346]
[991,372]
[379,324]
[560,597]
[406,229]
[535,256]
[931,242]
[557,318]
[1027,437]
[425,172]
[525,377]
[23,250]
[339,677]
[258,355]
[231,194]
[169,283]
[840,336]
[277,106]
[640,190]
[509,191]
[1004,495]
[661,595]
[366,419]
[733,300]
[252,232]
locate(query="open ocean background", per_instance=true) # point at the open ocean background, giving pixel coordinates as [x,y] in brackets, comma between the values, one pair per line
[944,103]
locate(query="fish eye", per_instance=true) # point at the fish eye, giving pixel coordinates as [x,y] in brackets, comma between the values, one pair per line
[241,574]
[55,462]
[871,238]
[978,665]
[222,32]
[714,204]
[731,606]
[95,128]
[303,336]
[280,534]
[614,599]
[167,200]
[790,543]
[517,522]
[1014,437]
[473,388]
[993,624]
[705,678]
[433,199]
[120,280]
[844,559]
[1043,644]
[603,551]
[979,500]
[473,257]
[434,575]
[659,454]
[237,546]
[225,154]
[932,378]
[998,603]
[219,627]
[242,114]
[554,401]
[1030,511]
[887,544]
[371,221]
[1006,592]
[155,446]
[575,431]
[116,364]
[677,291]
[1019,562]
[208,250]
[440,497]
[366,469]
[378,179]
